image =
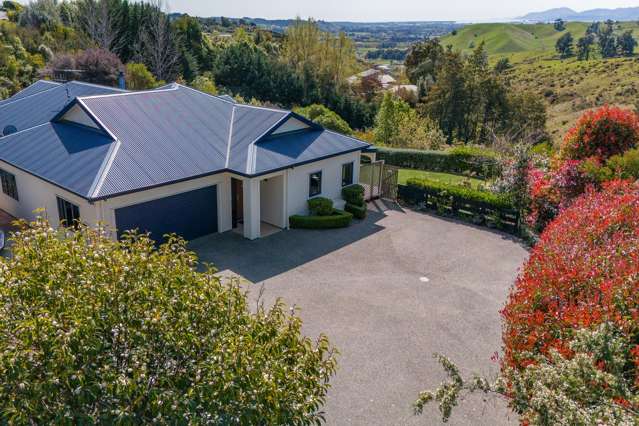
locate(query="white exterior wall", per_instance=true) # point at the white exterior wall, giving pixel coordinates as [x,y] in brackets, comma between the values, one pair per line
[223,181]
[331,168]
[272,203]
[35,193]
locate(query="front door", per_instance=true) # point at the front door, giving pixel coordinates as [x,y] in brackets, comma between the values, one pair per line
[237,196]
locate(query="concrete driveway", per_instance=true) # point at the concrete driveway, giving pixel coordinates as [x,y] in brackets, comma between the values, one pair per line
[388,291]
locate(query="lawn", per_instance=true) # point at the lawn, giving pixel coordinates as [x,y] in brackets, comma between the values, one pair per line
[405,174]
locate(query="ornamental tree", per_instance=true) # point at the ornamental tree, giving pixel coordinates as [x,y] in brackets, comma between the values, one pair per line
[98,331]
[601,133]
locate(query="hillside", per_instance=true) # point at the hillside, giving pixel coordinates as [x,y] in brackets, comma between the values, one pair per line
[569,86]
[620,14]
[510,38]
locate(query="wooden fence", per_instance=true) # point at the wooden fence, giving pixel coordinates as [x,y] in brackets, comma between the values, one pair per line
[473,211]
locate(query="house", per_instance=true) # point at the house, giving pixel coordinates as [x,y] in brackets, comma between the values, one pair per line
[385,80]
[167,160]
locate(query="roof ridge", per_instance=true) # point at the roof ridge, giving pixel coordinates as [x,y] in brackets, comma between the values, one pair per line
[219,98]
[101,86]
[8,101]
[285,111]
[228,146]
[24,130]
[128,93]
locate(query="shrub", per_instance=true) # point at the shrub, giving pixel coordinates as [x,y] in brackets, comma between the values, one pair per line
[481,162]
[98,331]
[354,194]
[583,272]
[624,166]
[320,206]
[325,118]
[339,219]
[601,133]
[488,199]
[359,212]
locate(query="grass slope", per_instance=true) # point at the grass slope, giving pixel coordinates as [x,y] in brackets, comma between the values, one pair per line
[569,86]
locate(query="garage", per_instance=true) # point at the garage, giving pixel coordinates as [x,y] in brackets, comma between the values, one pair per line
[190,214]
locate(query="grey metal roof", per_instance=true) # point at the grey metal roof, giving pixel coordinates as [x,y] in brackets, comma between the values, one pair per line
[40,106]
[153,138]
[287,150]
[64,154]
[37,87]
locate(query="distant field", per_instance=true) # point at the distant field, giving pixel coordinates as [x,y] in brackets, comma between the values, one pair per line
[569,86]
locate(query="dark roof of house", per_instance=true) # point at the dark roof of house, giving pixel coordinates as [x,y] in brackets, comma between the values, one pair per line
[151,138]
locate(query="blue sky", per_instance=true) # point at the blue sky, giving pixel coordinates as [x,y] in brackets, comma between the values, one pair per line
[384,10]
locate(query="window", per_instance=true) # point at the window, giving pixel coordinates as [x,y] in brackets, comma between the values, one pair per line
[315,184]
[68,212]
[9,186]
[347,174]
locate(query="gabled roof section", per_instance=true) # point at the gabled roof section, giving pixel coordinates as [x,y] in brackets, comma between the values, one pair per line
[42,106]
[37,87]
[66,155]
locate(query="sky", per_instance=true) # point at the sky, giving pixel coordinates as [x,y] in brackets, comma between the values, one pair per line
[385,10]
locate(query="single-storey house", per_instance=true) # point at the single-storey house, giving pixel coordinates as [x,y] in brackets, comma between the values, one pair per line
[167,160]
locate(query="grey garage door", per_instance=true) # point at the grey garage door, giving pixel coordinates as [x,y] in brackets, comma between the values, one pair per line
[190,214]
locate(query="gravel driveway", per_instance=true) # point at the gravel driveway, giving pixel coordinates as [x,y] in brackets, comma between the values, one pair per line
[388,291]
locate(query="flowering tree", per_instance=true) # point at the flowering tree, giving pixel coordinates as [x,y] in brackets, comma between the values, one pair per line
[571,324]
[597,137]
[98,331]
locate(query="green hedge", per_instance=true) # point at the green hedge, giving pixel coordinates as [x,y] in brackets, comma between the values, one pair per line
[460,160]
[339,219]
[354,194]
[358,211]
[485,198]
[320,206]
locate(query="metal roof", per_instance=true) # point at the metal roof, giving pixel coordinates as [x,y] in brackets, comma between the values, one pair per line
[66,155]
[41,104]
[288,150]
[153,138]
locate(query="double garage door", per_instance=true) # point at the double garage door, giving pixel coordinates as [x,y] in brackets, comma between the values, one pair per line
[190,214]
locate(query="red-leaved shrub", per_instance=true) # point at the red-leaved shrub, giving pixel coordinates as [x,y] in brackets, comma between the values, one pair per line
[584,271]
[601,133]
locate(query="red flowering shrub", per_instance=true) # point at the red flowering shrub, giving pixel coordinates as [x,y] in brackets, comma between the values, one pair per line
[602,133]
[583,272]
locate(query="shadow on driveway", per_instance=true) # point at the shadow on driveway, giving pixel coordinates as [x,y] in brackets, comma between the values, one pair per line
[267,257]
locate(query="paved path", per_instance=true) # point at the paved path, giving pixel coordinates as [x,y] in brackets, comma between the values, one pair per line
[388,291]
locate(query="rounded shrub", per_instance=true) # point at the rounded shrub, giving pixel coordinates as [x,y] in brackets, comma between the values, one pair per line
[601,133]
[98,331]
[584,272]
[320,206]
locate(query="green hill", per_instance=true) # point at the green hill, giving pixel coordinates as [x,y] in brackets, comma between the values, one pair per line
[569,86]
[506,39]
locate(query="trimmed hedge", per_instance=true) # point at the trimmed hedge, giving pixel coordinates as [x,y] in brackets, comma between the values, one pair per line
[482,208]
[482,162]
[355,203]
[353,194]
[488,199]
[320,206]
[359,212]
[339,219]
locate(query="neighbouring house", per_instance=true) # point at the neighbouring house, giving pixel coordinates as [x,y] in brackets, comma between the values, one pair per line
[167,160]
[3,15]
[384,79]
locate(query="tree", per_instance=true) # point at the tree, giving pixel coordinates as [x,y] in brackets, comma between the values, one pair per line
[388,120]
[584,47]
[99,66]
[607,40]
[204,84]
[626,43]
[138,77]
[158,43]
[564,46]
[423,61]
[41,14]
[98,331]
[560,24]
[325,118]
[98,18]
[502,66]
